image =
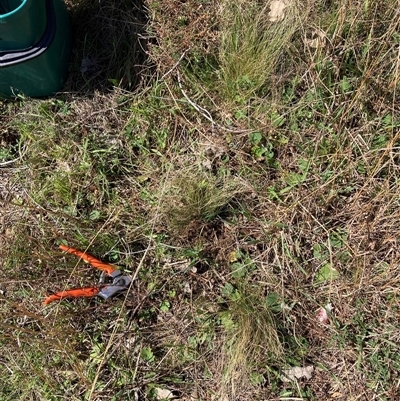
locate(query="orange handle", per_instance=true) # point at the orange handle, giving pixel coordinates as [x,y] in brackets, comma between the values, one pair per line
[80,292]
[98,264]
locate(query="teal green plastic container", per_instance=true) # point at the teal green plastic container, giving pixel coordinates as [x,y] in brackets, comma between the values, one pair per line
[35,46]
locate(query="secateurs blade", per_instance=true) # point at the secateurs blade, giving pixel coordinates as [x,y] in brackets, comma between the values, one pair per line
[120,282]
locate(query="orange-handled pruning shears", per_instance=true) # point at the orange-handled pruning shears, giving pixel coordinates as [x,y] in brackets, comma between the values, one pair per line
[119,284]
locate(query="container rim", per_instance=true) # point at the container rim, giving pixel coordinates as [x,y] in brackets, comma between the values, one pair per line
[11,57]
[9,14]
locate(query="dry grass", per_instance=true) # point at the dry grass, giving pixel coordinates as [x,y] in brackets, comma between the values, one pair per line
[242,210]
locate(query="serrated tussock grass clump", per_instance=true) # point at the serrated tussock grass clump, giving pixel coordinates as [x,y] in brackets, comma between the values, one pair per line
[252,342]
[197,196]
[251,45]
